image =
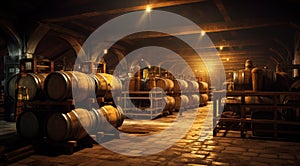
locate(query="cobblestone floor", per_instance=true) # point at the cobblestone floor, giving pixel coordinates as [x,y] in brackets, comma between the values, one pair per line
[7,127]
[230,150]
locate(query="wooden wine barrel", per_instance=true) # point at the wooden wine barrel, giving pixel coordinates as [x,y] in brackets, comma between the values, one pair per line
[243,80]
[203,99]
[269,78]
[170,103]
[180,86]
[106,84]
[34,83]
[62,85]
[165,84]
[193,86]
[181,102]
[193,101]
[113,115]
[203,86]
[28,125]
[72,125]
[132,84]
[257,79]
[149,84]
[281,82]
[11,86]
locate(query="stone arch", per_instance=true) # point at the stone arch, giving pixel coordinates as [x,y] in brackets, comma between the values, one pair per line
[14,42]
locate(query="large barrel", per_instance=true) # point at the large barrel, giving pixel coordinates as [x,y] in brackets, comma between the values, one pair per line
[72,125]
[193,86]
[243,80]
[257,79]
[269,79]
[28,125]
[203,86]
[59,86]
[180,86]
[203,99]
[165,84]
[181,102]
[193,101]
[149,84]
[77,123]
[106,85]
[170,103]
[132,84]
[113,115]
[34,83]
[11,86]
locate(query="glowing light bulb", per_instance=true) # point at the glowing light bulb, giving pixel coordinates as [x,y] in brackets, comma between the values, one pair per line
[105,51]
[202,33]
[227,59]
[148,9]
[221,47]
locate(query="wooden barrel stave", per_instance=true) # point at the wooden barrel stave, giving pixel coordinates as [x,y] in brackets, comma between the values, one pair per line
[106,85]
[79,122]
[62,85]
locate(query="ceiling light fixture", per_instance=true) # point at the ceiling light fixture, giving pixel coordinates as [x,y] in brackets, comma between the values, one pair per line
[105,51]
[148,7]
[202,33]
[221,47]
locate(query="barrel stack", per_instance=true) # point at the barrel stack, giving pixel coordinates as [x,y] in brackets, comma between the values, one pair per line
[50,112]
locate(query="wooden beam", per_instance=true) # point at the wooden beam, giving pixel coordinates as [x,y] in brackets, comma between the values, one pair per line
[239,43]
[154,4]
[84,26]
[212,28]
[240,25]
[66,31]
[219,4]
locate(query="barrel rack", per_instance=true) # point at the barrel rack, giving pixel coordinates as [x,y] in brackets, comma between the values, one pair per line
[155,109]
[69,146]
[275,127]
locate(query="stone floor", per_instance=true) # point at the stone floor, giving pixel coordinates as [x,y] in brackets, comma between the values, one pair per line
[229,150]
[7,127]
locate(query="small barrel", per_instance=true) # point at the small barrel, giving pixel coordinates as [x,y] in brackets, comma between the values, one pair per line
[107,84]
[72,125]
[28,125]
[180,86]
[165,84]
[34,83]
[193,86]
[181,102]
[203,86]
[62,85]
[203,99]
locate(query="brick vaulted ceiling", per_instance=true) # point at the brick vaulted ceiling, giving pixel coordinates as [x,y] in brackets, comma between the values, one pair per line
[261,30]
